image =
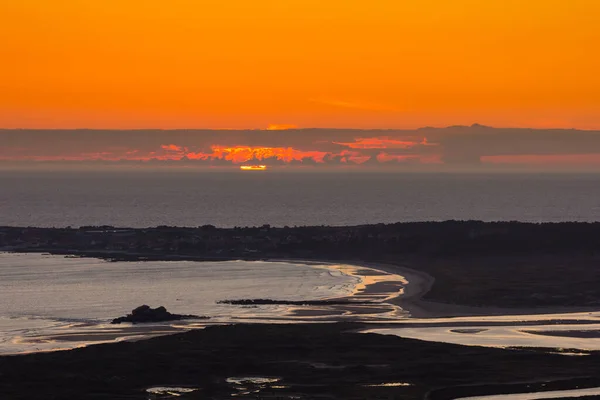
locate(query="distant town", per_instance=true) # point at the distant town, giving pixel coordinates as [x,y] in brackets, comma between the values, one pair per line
[379,240]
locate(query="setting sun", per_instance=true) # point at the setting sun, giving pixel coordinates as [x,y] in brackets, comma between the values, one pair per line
[253,167]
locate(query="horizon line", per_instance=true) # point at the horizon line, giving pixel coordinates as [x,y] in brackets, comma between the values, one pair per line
[474,125]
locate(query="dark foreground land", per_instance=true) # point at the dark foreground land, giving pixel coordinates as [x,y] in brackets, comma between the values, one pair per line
[477,264]
[319,361]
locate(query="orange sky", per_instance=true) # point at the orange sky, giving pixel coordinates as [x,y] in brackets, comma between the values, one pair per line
[334,63]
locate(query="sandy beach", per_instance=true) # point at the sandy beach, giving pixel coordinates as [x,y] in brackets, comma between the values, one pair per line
[420,283]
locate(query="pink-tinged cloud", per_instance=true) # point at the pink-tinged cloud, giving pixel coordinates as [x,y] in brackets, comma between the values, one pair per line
[358,154]
[386,157]
[383,142]
[198,156]
[541,159]
[455,146]
[240,154]
[171,147]
[431,159]
[351,156]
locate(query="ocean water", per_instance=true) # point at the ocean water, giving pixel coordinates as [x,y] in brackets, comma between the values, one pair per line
[143,198]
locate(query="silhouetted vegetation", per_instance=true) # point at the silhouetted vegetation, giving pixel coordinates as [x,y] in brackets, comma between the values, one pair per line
[313,361]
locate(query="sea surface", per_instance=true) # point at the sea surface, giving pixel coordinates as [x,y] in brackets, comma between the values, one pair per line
[145,198]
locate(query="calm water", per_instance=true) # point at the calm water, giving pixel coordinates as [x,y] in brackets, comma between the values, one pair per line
[88,289]
[49,302]
[581,336]
[138,198]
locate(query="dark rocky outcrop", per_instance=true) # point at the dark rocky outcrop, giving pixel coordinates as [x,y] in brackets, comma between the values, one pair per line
[255,302]
[144,314]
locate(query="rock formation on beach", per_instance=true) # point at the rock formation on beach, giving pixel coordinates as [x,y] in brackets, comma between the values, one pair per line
[145,313]
[254,302]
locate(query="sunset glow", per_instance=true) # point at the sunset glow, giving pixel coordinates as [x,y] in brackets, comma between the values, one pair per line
[253,167]
[383,143]
[241,154]
[460,83]
[299,63]
[470,147]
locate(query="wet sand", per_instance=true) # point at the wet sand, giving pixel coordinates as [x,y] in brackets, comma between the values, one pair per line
[483,326]
[420,283]
[316,361]
[584,334]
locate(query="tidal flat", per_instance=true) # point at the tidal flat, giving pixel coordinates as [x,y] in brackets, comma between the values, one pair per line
[305,361]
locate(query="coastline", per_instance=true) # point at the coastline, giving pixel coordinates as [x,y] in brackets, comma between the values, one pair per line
[511,265]
[358,303]
[411,299]
[420,283]
[388,358]
[419,308]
